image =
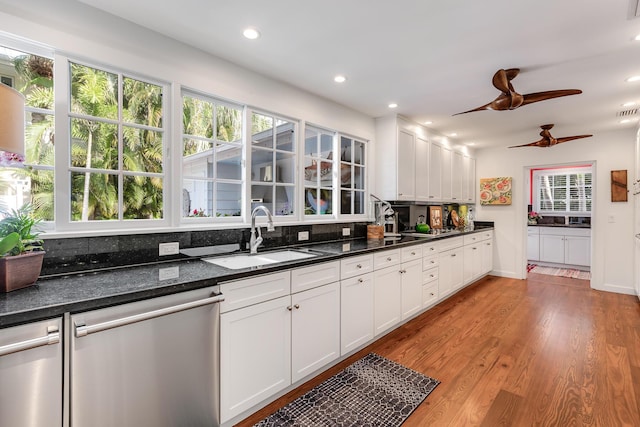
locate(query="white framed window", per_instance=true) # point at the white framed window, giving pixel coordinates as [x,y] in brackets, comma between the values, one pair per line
[319,166]
[273,163]
[352,176]
[117,128]
[563,191]
[212,153]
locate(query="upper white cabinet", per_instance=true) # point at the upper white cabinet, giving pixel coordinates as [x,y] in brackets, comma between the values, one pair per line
[435,173]
[411,167]
[468,179]
[457,172]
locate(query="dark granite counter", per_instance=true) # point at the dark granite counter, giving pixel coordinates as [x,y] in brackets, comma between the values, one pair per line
[93,289]
[561,225]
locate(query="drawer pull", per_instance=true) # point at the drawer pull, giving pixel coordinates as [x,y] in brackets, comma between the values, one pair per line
[432,294]
[388,258]
[413,253]
[297,306]
[359,265]
[453,254]
[431,275]
[360,280]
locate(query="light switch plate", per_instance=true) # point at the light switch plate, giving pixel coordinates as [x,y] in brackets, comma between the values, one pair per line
[168,273]
[346,232]
[303,235]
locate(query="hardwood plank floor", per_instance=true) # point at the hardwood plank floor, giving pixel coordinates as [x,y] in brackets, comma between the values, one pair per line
[546,351]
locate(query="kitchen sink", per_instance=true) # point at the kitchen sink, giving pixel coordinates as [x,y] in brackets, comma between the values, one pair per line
[236,262]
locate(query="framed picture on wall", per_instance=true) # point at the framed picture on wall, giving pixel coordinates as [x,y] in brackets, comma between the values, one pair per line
[435,216]
[495,191]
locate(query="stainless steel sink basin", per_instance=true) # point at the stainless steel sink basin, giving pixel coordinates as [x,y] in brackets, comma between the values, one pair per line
[236,262]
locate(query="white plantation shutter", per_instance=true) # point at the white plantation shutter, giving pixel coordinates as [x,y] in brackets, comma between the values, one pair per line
[563,191]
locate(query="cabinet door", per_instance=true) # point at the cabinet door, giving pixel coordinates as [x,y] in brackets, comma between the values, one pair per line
[446,174]
[577,250]
[422,169]
[487,257]
[435,172]
[456,177]
[468,179]
[451,270]
[387,298]
[406,165]
[411,288]
[255,355]
[315,329]
[472,262]
[533,246]
[356,312]
[552,248]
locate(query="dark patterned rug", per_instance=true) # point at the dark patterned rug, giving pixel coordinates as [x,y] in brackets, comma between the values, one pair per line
[373,392]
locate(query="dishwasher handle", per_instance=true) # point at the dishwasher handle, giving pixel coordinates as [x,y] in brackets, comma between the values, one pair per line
[52,337]
[81,329]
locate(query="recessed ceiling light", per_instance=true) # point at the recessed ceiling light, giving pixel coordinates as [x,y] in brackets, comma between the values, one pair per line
[428,122]
[393,105]
[453,134]
[339,79]
[633,79]
[471,144]
[623,121]
[251,33]
[629,104]
[638,37]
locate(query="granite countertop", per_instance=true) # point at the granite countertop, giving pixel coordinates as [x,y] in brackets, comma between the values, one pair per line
[562,225]
[90,290]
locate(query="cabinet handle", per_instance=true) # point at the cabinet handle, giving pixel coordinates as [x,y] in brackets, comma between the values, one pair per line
[453,254]
[289,308]
[52,337]
[474,248]
[431,275]
[388,258]
[297,306]
[360,280]
[413,253]
[432,294]
[359,266]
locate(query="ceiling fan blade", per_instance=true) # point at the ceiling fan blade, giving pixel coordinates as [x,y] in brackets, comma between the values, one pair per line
[481,108]
[540,143]
[571,138]
[501,81]
[550,94]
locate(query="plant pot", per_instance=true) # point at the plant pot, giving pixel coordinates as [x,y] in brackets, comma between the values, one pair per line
[20,271]
[533,221]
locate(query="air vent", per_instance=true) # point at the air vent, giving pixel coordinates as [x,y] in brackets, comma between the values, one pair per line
[627,113]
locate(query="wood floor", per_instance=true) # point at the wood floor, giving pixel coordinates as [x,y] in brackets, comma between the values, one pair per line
[546,351]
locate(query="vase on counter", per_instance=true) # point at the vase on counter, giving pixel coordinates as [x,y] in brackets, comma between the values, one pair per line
[533,221]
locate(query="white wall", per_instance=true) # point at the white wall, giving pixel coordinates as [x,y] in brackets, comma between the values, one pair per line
[612,242]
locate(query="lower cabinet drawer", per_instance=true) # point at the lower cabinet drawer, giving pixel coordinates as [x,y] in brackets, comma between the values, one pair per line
[430,262]
[245,292]
[430,275]
[429,293]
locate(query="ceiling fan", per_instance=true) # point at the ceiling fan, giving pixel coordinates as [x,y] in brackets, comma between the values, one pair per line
[509,99]
[548,140]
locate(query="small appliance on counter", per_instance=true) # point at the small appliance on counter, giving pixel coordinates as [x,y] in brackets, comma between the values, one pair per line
[386,216]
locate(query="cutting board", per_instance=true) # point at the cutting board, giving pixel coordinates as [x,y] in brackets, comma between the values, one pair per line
[619,186]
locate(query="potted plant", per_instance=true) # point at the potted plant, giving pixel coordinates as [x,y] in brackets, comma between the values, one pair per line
[534,217]
[21,252]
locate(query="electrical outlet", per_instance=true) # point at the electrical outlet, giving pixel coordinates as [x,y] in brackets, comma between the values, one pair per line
[168,273]
[346,232]
[303,235]
[171,248]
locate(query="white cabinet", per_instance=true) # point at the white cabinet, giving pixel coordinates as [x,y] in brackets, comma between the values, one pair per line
[457,174]
[451,265]
[478,255]
[533,243]
[315,329]
[387,298]
[271,337]
[435,172]
[356,312]
[430,274]
[577,250]
[468,180]
[401,160]
[411,282]
[255,355]
[406,165]
[562,245]
[422,169]
[446,181]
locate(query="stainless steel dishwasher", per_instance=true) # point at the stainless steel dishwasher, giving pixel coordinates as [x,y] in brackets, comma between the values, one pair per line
[148,363]
[31,374]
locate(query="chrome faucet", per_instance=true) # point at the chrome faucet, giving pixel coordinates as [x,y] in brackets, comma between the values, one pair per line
[254,242]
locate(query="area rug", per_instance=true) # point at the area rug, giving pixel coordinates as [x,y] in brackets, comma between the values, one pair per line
[373,391]
[564,272]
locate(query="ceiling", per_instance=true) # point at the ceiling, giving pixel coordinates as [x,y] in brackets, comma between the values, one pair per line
[432,58]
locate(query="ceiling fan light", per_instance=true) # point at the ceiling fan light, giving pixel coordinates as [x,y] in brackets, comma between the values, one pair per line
[633,79]
[393,105]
